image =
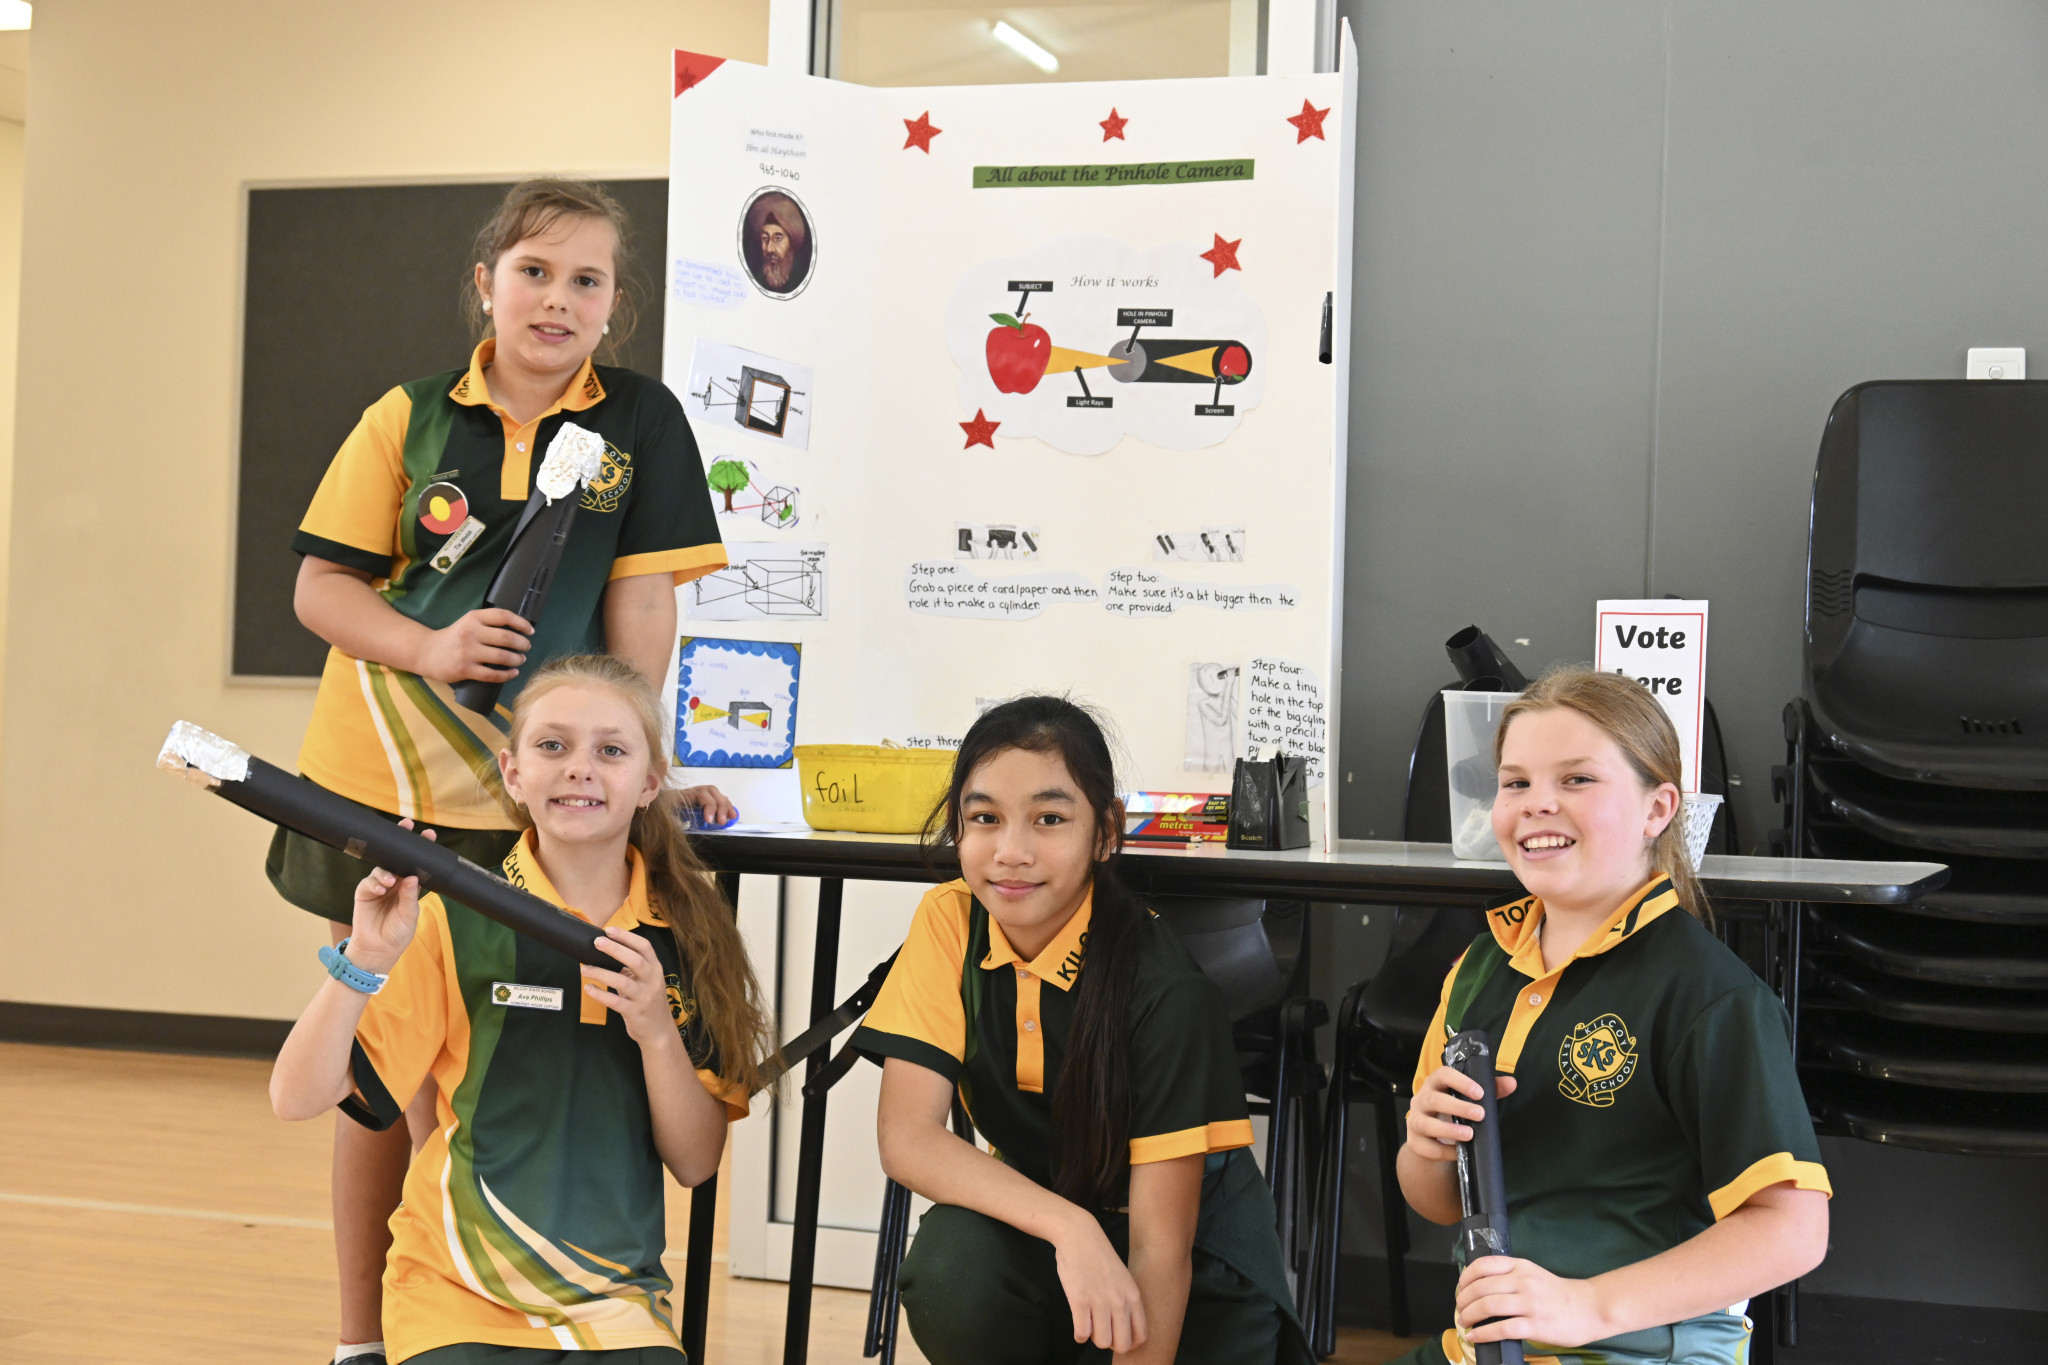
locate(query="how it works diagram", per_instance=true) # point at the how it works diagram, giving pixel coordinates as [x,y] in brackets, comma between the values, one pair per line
[1097,339]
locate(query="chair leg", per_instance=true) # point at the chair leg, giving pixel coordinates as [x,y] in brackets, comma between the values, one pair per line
[697,1269]
[1329,1231]
[884,1296]
[1394,1216]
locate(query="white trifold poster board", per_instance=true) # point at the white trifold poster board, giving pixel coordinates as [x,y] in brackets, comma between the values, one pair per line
[1005,389]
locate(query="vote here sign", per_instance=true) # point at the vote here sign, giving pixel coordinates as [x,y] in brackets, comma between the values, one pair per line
[1662,644]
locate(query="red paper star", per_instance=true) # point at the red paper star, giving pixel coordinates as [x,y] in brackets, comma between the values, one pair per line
[692,67]
[1223,255]
[1113,126]
[921,133]
[1308,123]
[980,432]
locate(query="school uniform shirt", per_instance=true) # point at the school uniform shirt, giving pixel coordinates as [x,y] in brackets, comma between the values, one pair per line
[533,1216]
[1656,1090]
[961,1001]
[427,459]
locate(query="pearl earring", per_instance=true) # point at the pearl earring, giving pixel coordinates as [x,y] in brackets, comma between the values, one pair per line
[487,305]
[607,329]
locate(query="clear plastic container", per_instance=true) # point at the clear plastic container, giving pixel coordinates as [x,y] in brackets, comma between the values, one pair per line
[1470,718]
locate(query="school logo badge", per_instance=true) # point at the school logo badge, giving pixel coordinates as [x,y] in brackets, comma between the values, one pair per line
[501,993]
[614,477]
[1597,1059]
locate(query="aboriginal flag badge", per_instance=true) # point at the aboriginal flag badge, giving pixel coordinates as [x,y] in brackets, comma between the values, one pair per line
[442,508]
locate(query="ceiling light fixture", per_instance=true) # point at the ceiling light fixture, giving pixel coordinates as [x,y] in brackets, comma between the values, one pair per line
[1004,34]
[14,14]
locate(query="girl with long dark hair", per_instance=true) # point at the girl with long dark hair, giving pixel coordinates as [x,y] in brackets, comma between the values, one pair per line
[1120,1210]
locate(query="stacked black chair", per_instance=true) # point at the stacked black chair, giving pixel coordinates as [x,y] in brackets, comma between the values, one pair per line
[1922,733]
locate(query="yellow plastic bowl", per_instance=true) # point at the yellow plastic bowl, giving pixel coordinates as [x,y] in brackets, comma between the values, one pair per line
[871,789]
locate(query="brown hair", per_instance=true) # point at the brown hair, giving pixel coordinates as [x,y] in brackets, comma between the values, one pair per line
[531,208]
[678,884]
[1627,714]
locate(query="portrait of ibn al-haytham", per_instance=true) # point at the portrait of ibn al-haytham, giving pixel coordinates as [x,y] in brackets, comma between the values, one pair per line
[777,243]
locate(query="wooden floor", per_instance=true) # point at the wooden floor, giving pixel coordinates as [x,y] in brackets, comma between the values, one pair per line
[152,1209]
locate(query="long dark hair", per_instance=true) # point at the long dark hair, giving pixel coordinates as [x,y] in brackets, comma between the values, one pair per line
[1091,1104]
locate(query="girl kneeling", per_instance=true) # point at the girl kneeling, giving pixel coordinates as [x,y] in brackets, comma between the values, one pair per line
[532,1227]
[1124,1211]
[1660,1163]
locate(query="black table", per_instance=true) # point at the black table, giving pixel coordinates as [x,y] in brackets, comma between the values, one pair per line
[1357,871]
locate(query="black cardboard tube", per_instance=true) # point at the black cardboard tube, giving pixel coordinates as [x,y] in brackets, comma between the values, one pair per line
[523,579]
[1475,655]
[285,799]
[1482,1183]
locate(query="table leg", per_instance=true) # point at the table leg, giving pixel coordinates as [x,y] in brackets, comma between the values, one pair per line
[803,1246]
[697,1269]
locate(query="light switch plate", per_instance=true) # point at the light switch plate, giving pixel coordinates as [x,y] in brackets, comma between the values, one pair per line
[1996,362]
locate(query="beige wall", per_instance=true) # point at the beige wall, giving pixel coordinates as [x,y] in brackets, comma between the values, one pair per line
[126,888]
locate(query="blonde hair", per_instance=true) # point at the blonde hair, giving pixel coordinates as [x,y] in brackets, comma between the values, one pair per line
[1627,714]
[728,996]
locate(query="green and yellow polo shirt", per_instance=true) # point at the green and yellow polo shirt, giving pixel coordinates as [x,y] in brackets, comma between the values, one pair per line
[1656,1087]
[427,459]
[961,1001]
[533,1216]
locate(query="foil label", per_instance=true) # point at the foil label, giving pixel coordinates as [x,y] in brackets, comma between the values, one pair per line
[574,457]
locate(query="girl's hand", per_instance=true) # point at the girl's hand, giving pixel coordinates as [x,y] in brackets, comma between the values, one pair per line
[712,805]
[1532,1303]
[1447,1096]
[1108,1309]
[386,914]
[488,645]
[638,991]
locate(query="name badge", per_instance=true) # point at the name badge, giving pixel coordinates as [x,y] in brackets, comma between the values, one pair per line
[526,997]
[456,545]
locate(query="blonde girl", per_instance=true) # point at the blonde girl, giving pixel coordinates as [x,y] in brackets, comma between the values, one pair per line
[1661,1167]
[532,1226]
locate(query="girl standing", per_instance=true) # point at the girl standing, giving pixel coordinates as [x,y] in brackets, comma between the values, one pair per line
[532,1227]
[1660,1163]
[399,547]
[1124,1212]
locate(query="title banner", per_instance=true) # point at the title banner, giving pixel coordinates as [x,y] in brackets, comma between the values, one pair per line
[1112,173]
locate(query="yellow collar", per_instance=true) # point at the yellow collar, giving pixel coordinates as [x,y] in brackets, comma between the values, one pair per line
[1060,963]
[523,869]
[474,390]
[1517,927]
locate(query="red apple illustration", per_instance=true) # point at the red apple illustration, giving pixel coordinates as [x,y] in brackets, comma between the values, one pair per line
[1017,352]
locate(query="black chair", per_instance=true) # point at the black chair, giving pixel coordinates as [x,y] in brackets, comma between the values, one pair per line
[1927,590]
[1979,890]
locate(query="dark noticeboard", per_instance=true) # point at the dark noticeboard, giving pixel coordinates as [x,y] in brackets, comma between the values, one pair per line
[350,291]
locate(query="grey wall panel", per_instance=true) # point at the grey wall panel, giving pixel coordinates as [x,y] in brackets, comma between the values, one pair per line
[1509,163]
[1843,205]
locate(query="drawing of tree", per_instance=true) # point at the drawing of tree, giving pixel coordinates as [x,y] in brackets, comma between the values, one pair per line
[727,477]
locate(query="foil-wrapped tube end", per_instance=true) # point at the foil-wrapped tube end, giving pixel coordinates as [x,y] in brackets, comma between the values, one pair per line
[203,756]
[575,456]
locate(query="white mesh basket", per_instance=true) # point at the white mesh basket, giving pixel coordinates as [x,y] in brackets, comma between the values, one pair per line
[1700,809]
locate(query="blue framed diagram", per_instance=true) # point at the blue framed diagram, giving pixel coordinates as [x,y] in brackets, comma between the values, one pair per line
[736,703]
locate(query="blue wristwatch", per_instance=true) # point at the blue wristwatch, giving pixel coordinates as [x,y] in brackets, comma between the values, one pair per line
[348,973]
